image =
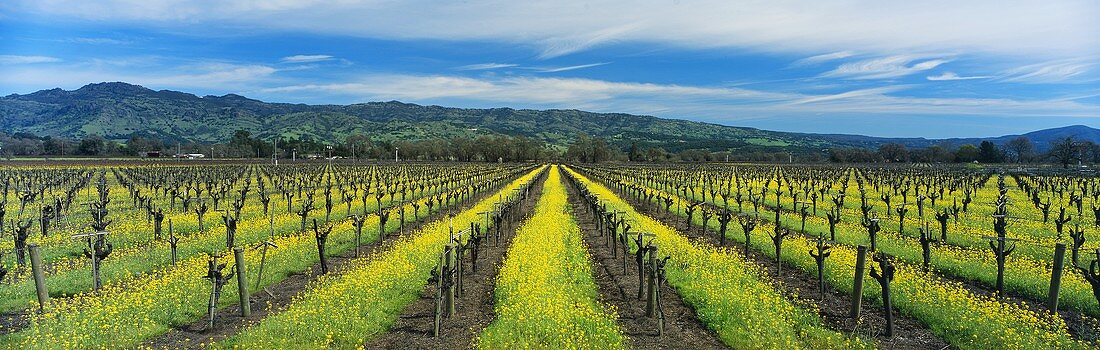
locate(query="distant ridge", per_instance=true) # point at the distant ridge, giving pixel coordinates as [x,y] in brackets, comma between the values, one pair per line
[119,110]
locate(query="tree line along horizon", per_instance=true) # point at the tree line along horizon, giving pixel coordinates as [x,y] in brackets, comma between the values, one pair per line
[583,148]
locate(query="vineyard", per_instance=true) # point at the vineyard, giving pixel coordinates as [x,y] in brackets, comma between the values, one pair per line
[580,256]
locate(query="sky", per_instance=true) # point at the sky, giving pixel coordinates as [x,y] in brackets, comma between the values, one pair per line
[883,68]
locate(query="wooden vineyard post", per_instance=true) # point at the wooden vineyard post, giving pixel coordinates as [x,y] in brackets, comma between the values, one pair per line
[639,258]
[242,285]
[651,290]
[450,252]
[459,255]
[39,278]
[661,279]
[439,294]
[1056,276]
[857,289]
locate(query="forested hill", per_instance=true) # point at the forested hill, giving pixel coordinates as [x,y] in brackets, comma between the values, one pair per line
[121,110]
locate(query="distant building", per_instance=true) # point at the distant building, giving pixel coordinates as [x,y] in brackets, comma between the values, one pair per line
[190,155]
[153,154]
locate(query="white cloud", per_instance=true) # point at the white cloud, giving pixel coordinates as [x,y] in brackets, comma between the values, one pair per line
[953,76]
[486,66]
[815,60]
[879,91]
[568,68]
[1026,28]
[307,58]
[716,103]
[99,41]
[15,59]
[885,67]
[1048,72]
[211,76]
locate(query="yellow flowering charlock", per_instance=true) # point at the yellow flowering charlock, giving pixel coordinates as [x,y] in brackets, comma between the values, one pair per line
[545,293]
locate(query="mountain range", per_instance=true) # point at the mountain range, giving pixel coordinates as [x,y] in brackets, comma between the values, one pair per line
[119,110]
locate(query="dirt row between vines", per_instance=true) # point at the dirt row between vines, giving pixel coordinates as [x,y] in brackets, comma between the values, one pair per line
[683,329]
[474,309]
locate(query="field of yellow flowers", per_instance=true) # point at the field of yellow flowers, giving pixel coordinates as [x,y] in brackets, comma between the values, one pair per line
[965,255]
[545,293]
[129,312]
[345,310]
[964,319]
[729,294]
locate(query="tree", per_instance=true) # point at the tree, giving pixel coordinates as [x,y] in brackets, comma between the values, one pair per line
[1020,149]
[589,150]
[654,154]
[635,154]
[989,153]
[1090,152]
[893,152]
[967,153]
[1065,151]
[138,145]
[852,155]
[91,145]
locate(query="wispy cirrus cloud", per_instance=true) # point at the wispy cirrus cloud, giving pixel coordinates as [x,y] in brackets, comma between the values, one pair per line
[716,103]
[1028,27]
[17,59]
[884,67]
[848,95]
[210,76]
[486,66]
[1048,72]
[307,58]
[567,68]
[540,69]
[818,59]
[947,76]
[98,41]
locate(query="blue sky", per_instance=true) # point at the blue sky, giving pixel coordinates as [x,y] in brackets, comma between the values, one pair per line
[914,69]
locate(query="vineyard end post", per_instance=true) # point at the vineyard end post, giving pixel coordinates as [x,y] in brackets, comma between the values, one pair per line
[242,284]
[39,278]
[857,289]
